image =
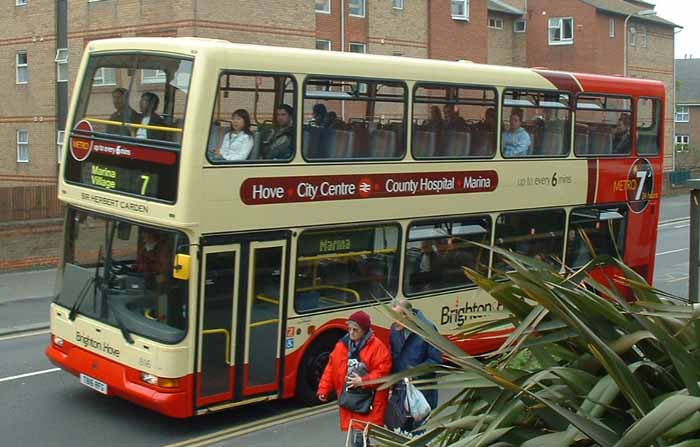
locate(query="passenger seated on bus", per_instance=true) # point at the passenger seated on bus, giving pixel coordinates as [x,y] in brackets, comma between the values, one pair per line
[149,117]
[516,141]
[435,123]
[427,273]
[454,122]
[334,122]
[279,144]
[320,116]
[123,113]
[238,141]
[622,138]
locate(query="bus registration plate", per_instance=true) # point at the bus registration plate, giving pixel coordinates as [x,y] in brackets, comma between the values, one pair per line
[95,384]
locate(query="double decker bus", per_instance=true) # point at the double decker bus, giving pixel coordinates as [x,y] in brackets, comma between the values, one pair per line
[228,206]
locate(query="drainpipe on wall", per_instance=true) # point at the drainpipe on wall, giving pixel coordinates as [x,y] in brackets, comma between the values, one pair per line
[342,47]
[61,87]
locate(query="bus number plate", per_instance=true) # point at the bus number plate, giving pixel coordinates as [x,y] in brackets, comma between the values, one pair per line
[95,384]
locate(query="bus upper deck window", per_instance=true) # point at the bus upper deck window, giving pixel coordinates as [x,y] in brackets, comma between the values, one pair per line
[648,127]
[603,125]
[254,119]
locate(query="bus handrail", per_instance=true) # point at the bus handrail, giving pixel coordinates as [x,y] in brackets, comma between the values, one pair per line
[264,322]
[346,255]
[134,125]
[266,299]
[353,292]
[228,340]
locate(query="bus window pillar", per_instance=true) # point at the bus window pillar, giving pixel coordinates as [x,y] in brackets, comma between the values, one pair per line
[694,264]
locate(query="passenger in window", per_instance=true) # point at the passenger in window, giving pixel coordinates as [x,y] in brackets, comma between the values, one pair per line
[279,144]
[238,141]
[123,113]
[516,141]
[320,116]
[149,104]
[435,123]
[154,257]
[334,122]
[454,122]
[426,276]
[489,122]
[622,138]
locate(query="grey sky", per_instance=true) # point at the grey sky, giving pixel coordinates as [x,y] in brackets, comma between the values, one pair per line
[684,13]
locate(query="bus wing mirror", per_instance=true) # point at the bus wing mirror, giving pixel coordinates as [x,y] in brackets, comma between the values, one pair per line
[181,266]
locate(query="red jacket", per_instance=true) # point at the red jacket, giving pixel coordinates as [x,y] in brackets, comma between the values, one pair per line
[378,360]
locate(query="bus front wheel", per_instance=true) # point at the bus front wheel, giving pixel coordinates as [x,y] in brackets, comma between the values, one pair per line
[312,365]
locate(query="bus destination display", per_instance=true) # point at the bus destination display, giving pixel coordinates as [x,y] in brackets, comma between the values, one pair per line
[120,179]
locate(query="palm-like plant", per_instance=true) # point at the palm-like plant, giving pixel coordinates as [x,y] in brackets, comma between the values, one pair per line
[599,372]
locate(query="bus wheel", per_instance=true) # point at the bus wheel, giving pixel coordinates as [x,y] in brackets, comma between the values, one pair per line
[312,365]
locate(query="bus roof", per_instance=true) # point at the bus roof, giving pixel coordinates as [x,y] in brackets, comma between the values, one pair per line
[299,60]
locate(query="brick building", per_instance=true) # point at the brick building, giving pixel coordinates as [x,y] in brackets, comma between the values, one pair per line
[687,116]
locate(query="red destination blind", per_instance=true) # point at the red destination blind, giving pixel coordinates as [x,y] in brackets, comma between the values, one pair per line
[266,190]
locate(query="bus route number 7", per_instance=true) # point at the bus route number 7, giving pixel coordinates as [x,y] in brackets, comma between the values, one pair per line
[144,185]
[642,175]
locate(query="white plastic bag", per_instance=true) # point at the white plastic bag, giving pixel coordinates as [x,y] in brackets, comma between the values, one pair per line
[416,404]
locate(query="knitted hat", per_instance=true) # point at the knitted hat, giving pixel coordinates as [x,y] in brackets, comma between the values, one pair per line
[362,319]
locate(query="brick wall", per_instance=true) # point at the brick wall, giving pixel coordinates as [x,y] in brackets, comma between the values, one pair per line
[30,245]
[501,41]
[452,39]
[401,32]
[689,158]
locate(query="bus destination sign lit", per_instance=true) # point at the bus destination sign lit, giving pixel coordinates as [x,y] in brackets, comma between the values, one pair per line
[266,190]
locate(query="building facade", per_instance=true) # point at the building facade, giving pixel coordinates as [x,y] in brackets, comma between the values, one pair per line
[687,114]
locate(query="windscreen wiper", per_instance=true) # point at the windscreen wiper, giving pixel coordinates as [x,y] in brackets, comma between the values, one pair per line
[120,324]
[81,296]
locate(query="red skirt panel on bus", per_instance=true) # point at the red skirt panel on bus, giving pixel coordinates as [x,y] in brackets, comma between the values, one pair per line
[123,381]
[377,357]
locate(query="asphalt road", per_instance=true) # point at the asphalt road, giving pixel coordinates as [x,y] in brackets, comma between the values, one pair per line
[42,406]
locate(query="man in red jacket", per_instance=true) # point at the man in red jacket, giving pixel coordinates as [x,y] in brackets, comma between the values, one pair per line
[359,351]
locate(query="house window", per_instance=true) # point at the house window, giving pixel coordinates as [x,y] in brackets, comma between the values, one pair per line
[682,142]
[20,2]
[633,36]
[323,6]
[645,39]
[22,67]
[61,65]
[357,8]
[60,138]
[460,9]
[561,31]
[322,44]
[104,76]
[358,47]
[519,26]
[612,27]
[495,23]
[397,4]
[22,146]
[152,76]
[682,114]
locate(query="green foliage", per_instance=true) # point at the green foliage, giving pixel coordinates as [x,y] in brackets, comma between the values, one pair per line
[576,370]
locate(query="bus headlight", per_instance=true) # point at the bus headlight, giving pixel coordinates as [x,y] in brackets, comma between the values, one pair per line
[58,341]
[162,382]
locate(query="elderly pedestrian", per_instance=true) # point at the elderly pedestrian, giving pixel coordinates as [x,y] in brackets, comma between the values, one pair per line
[356,359]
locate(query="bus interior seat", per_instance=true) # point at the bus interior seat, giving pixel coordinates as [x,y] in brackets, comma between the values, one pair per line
[256,152]
[581,142]
[216,135]
[307,300]
[646,143]
[553,142]
[343,142]
[424,143]
[382,143]
[457,144]
[601,143]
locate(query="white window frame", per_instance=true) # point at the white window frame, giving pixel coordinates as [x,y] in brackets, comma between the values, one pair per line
[558,23]
[155,79]
[61,60]
[326,6]
[60,140]
[99,81]
[20,2]
[22,146]
[360,7]
[524,26]
[633,36]
[682,114]
[325,41]
[357,45]
[397,4]
[611,27]
[495,21]
[24,67]
[465,4]
[683,139]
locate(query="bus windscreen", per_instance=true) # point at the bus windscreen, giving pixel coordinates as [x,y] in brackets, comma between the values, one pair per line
[128,124]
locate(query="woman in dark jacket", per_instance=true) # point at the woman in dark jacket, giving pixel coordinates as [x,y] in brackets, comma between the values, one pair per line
[409,350]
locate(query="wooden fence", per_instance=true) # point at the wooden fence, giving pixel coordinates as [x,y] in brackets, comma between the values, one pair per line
[29,202]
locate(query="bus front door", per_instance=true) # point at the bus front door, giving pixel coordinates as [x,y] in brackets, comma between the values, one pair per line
[240,341]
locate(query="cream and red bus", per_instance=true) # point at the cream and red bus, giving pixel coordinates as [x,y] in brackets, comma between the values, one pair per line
[228,206]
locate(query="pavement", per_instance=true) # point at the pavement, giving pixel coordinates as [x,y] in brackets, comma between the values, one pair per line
[24,300]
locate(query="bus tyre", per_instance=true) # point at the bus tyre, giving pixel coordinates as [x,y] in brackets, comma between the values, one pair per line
[311,368]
